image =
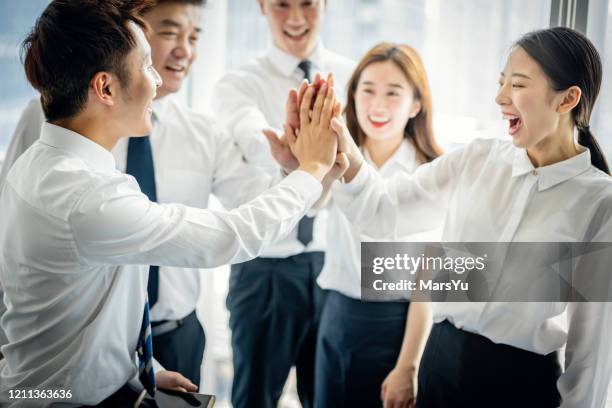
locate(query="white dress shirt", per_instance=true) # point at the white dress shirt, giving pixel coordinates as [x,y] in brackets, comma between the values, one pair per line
[73,232]
[253,97]
[491,192]
[193,158]
[342,270]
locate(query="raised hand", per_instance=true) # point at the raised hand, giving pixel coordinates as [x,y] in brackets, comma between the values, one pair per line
[317,82]
[316,144]
[280,147]
[292,107]
[346,144]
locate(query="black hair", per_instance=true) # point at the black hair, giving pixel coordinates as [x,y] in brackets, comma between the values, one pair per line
[568,58]
[200,3]
[72,41]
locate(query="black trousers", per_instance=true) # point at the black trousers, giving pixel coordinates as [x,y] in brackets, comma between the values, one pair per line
[182,349]
[462,369]
[274,305]
[357,347]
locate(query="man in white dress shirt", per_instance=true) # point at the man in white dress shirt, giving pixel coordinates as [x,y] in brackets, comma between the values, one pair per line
[191,159]
[274,301]
[75,230]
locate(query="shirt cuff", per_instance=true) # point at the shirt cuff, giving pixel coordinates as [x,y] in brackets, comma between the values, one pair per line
[357,183]
[157,367]
[306,184]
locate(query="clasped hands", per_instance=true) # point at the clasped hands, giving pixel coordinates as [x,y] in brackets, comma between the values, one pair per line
[315,137]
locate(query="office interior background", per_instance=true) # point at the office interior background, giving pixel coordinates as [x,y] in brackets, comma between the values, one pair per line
[463,44]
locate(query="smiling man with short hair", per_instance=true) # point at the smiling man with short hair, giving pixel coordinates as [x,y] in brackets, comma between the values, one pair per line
[185,159]
[177,162]
[76,234]
[274,301]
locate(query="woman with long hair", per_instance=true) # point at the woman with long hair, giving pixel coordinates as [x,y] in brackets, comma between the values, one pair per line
[549,183]
[389,114]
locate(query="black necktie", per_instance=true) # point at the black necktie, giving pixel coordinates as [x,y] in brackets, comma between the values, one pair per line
[140,165]
[304,233]
[305,66]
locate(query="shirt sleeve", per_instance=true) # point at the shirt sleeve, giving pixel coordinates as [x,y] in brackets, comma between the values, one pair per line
[26,133]
[235,179]
[237,109]
[114,223]
[376,204]
[588,355]
[588,352]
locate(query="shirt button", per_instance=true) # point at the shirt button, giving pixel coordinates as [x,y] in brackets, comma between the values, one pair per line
[534,172]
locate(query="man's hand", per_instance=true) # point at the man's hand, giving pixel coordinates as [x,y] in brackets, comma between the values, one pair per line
[171,380]
[294,100]
[281,148]
[316,145]
[399,389]
[292,107]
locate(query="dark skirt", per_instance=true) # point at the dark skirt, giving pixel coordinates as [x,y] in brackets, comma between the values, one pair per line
[463,369]
[357,346]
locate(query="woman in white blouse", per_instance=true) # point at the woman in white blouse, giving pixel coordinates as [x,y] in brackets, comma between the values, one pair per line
[550,183]
[389,112]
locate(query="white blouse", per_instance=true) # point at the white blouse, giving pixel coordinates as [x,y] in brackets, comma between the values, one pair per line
[342,270]
[490,191]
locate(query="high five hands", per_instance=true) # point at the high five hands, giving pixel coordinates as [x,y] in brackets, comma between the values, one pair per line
[313,123]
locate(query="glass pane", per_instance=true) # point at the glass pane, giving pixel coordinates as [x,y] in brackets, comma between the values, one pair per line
[16,19]
[601,122]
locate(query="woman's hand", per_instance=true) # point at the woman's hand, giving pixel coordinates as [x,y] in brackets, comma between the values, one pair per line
[171,380]
[399,388]
[347,145]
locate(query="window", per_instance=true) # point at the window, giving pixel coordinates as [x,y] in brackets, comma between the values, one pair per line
[463,45]
[16,19]
[599,29]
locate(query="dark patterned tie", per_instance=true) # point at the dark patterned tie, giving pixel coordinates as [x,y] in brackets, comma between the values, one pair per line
[144,349]
[140,165]
[305,225]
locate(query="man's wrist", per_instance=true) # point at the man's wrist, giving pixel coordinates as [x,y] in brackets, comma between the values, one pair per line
[317,170]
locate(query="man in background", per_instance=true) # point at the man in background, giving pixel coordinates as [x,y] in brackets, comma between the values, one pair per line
[274,301]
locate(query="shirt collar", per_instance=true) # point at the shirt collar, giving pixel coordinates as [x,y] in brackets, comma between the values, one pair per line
[160,108]
[90,152]
[553,174]
[404,157]
[286,64]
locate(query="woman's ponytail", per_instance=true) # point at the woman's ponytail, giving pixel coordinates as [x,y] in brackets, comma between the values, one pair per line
[586,139]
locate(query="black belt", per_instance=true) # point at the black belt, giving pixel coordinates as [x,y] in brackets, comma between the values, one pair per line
[166,326]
